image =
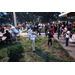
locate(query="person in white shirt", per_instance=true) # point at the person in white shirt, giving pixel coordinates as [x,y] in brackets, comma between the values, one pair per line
[29,32]
[73,38]
[32,38]
[67,36]
[40,27]
[64,31]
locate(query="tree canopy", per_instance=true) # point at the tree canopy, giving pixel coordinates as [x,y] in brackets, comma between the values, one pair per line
[30,16]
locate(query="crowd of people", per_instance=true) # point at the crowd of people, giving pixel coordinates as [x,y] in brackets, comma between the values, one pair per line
[62,29]
[68,31]
[10,32]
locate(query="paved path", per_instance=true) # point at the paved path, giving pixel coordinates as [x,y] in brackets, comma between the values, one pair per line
[26,35]
[71,47]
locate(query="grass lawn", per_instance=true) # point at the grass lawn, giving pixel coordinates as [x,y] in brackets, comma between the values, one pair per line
[42,54]
[43,30]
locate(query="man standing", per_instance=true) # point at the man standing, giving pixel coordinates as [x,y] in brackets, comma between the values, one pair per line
[58,30]
[40,27]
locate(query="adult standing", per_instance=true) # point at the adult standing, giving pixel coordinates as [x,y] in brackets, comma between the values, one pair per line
[31,25]
[58,30]
[27,25]
[64,31]
[40,27]
[67,36]
[36,27]
[46,28]
[23,26]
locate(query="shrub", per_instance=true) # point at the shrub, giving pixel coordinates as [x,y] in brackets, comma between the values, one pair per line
[15,52]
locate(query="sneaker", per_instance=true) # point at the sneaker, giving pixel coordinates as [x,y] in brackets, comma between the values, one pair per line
[51,46]
[33,51]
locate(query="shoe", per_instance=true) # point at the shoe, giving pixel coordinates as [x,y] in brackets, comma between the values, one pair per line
[51,46]
[66,46]
[33,51]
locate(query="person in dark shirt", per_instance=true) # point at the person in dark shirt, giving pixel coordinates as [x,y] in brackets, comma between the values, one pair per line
[50,36]
[8,35]
[58,30]
[46,29]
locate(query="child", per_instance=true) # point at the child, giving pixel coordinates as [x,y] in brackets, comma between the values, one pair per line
[50,36]
[67,36]
[29,32]
[32,37]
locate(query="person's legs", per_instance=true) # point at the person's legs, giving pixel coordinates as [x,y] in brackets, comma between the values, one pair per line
[51,42]
[39,31]
[48,42]
[16,37]
[33,45]
[58,35]
[67,41]
[46,32]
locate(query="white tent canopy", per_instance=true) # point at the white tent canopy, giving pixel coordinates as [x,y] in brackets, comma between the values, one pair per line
[64,14]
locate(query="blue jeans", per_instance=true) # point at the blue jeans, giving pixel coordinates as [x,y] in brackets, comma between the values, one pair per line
[58,35]
[67,39]
[39,31]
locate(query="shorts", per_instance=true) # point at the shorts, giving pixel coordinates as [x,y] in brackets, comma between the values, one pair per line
[16,33]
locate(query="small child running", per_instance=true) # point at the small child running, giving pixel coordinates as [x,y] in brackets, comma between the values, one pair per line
[50,36]
[32,38]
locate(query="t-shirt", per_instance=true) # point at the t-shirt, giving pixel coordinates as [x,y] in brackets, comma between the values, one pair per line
[52,30]
[65,29]
[29,32]
[50,35]
[14,29]
[31,26]
[32,37]
[68,34]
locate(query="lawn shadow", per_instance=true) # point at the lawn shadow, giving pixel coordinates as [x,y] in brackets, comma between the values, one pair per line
[47,56]
[15,52]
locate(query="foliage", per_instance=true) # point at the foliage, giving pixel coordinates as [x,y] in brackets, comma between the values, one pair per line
[29,16]
[15,52]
